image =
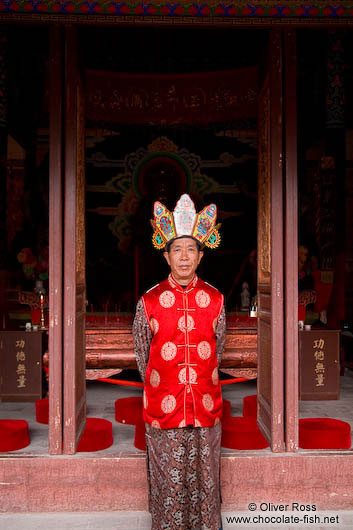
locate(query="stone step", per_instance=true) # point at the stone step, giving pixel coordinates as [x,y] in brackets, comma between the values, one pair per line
[142,521]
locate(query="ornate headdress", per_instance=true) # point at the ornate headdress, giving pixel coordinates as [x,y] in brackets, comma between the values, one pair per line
[184,221]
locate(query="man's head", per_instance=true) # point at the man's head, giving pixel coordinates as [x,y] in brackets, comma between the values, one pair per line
[183,256]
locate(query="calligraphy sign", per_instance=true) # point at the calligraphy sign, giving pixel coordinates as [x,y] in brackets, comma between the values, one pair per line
[319,364]
[20,365]
[171,99]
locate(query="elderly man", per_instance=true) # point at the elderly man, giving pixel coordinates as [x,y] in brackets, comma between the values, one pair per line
[179,334]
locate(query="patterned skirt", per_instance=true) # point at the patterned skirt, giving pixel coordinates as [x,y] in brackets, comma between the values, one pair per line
[183,471]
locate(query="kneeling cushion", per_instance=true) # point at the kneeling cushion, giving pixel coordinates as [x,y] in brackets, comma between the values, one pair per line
[128,410]
[324,433]
[42,411]
[226,408]
[242,433]
[140,438]
[14,434]
[98,435]
[250,406]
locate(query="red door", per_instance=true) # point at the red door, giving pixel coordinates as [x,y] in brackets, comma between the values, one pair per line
[291,243]
[270,249]
[74,250]
[55,242]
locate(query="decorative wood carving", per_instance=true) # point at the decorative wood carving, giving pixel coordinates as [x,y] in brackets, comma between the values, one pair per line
[181,12]
[264,190]
[92,375]
[81,192]
[113,348]
[109,351]
[248,373]
[265,356]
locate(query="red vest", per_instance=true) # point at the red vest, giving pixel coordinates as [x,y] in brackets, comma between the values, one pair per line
[181,383]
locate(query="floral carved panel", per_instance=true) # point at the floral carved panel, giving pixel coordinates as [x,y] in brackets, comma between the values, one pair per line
[264,187]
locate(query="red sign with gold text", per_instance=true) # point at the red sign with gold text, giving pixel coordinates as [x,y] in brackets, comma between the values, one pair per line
[171,99]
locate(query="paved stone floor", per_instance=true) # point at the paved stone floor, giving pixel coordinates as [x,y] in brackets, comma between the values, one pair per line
[342,520]
[100,403]
[101,398]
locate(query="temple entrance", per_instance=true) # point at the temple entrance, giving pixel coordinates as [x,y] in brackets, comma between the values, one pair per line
[172,121]
[148,141]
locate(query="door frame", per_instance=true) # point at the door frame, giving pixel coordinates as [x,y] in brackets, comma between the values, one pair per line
[289,270]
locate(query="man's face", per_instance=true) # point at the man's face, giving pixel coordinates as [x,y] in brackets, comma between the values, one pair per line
[183,258]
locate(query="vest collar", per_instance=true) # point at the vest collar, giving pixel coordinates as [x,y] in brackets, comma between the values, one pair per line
[173,283]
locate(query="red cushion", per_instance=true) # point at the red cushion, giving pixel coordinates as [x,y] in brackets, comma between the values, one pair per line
[97,435]
[226,408]
[14,434]
[128,410]
[324,433]
[42,410]
[242,433]
[140,439]
[250,406]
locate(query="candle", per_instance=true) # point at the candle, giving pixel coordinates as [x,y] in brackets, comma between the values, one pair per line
[42,321]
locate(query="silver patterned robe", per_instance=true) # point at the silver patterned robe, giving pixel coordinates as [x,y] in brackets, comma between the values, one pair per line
[183,465]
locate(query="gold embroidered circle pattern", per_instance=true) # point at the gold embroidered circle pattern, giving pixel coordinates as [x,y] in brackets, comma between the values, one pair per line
[204,349]
[155,424]
[207,402]
[202,298]
[215,376]
[190,324]
[168,404]
[154,378]
[192,375]
[145,400]
[217,420]
[168,351]
[154,325]
[167,299]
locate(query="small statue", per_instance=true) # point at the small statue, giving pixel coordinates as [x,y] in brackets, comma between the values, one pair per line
[245,297]
[39,287]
